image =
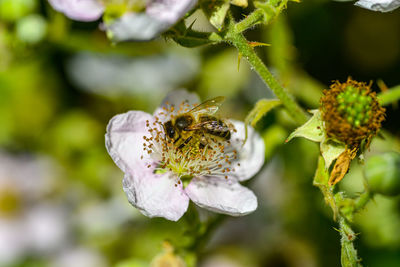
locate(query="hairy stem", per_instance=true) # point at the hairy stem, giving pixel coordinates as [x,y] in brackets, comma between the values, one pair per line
[349,256]
[247,51]
[251,20]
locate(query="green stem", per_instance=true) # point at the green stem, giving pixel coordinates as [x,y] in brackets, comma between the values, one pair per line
[247,51]
[349,256]
[361,201]
[250,21]
[265,13]
[390,96]
[205,236]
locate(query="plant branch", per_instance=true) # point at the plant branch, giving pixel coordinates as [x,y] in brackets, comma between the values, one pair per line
[390,96]
[247,51]
[251,20]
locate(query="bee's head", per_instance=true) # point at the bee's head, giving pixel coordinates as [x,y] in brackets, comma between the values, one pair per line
[170,129]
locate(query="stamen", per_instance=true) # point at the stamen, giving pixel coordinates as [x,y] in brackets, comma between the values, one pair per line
[191,159]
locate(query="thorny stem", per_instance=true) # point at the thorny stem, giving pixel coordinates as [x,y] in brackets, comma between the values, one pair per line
[349,256]
[247,51]
[265,13]
[250,21]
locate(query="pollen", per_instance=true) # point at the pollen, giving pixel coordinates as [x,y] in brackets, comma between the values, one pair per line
[196,158]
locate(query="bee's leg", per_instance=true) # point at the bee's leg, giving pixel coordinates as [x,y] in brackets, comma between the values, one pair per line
[176,140]
[203,142]
[185,142]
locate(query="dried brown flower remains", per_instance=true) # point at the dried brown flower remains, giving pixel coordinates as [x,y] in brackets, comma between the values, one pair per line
[352,115]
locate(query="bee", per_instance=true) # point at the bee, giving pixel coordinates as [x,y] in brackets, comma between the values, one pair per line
[198,125]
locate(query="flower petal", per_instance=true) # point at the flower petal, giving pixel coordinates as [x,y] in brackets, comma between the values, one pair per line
[221,195]
[155,195]
[251,155]
[176,98]
[379,5]
[134,26]
[159,16]
[169,11]
[124,139]
[82,10]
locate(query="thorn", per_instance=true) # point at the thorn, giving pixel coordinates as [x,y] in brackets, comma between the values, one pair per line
[239,58]
[382,86]
[190,26]
[255,44]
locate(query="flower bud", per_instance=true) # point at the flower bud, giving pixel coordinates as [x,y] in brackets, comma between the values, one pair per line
[383,173]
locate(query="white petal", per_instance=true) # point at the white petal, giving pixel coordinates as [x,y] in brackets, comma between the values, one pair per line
[124,140]
[82,10]
[155,195]
[251,155]
[169,11]
[135,26]
[222,195]
[379,5]
[176,98]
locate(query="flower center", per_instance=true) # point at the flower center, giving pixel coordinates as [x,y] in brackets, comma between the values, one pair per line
[354,104]
[197,153]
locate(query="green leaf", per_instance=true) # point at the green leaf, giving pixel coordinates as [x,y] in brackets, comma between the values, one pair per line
[216,11]
[331,150]
[262,107]
[312,130]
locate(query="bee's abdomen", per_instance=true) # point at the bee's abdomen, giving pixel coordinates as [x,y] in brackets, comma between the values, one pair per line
[218,128]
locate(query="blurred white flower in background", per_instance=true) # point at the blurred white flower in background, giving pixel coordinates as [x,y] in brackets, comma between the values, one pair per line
[98,218]
[128,20]
[115,75]
[79,257]
[29,223]
[83,10]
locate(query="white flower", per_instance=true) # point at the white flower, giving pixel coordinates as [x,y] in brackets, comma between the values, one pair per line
[158,16]
[156,171]
[379,5]
[82,10]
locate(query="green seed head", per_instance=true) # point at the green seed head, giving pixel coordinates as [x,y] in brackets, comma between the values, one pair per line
[351,112]
[354,105]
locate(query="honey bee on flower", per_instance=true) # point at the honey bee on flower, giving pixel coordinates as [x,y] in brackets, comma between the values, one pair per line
[184,151]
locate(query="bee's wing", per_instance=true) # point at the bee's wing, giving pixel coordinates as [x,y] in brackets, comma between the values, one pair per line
[211,125]
[208,107]
[196,126]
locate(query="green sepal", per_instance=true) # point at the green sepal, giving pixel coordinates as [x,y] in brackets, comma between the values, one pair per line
[187,37]
[321,179]
[331,150]
[312,130]
[216,11]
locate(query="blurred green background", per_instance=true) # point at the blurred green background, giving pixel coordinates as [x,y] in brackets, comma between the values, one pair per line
[61,198]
